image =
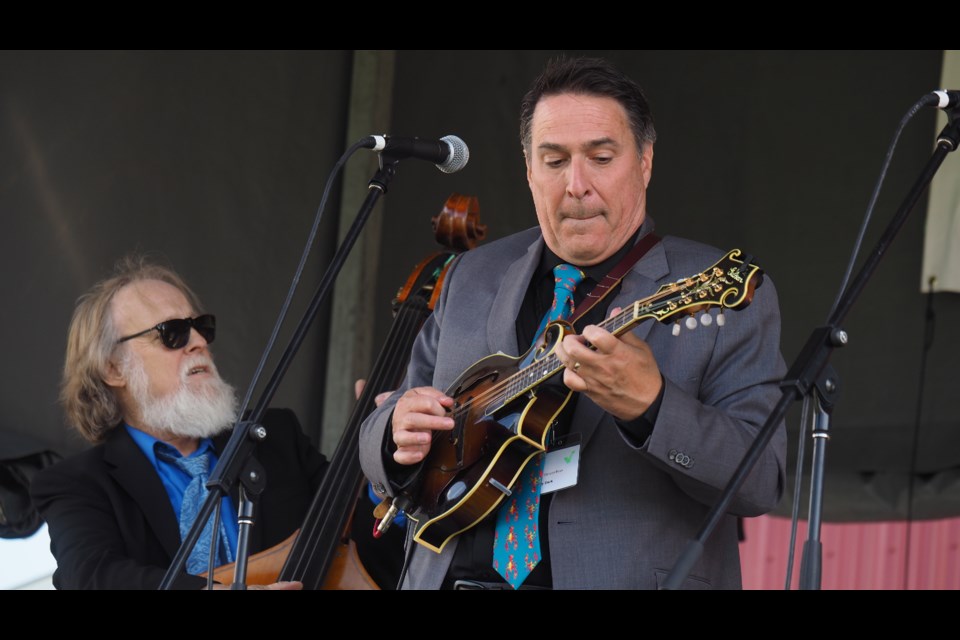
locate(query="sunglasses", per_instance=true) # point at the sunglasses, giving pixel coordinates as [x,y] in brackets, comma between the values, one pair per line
[176,333]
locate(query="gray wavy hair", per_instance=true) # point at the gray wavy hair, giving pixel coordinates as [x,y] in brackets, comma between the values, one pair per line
[91,406]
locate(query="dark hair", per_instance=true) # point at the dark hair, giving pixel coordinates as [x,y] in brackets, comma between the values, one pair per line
[591,77]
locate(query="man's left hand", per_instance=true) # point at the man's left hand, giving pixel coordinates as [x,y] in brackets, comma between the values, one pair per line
[619,374]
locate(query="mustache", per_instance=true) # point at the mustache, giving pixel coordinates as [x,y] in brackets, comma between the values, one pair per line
[198,362]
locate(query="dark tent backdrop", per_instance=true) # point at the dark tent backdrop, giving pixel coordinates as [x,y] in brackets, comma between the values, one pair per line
[212,162]
[217,162]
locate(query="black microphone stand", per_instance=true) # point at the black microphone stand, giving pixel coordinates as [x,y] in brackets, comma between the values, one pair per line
[824,393]
[807,370]
[237,462]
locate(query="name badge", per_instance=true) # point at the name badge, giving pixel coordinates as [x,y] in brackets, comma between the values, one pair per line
[562,464]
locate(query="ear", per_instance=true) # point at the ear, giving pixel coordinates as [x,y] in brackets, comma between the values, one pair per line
[647,164]
[113,376]
[526,159]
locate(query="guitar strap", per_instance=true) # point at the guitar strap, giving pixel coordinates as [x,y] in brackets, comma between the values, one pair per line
[612,279]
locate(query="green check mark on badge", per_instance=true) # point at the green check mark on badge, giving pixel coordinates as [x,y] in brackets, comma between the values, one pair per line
[568,458]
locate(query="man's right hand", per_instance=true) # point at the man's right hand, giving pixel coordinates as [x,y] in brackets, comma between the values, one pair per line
[418,414]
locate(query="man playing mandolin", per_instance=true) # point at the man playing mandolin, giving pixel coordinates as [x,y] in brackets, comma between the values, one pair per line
[656,422]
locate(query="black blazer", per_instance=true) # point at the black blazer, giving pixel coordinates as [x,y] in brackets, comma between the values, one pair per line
[111,522]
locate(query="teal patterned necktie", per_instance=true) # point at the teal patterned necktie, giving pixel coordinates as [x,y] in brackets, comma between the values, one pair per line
[198,468]
[565,278]
[516,540]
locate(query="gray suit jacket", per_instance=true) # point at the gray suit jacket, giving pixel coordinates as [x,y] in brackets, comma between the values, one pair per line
[635,505]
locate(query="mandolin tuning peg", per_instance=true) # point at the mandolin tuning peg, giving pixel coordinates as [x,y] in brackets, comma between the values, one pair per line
[691,323]
[706,319]
[720,319]
[676,328]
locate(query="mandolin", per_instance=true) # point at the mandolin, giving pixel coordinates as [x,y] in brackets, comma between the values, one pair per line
[503,414]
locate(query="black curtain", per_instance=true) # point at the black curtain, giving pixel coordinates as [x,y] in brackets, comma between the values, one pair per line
[217,161]
[772,152]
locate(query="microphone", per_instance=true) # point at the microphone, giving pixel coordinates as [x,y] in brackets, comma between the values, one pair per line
[449,153]
[943,99]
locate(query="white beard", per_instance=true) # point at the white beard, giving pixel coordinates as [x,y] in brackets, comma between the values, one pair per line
[193,410]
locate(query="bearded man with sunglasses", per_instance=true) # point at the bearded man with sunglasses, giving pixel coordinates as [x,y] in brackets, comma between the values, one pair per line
[140,383]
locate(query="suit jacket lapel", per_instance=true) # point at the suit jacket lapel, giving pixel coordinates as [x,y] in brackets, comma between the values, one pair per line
[641,282]
[502,321]
[638,283]
[133,471]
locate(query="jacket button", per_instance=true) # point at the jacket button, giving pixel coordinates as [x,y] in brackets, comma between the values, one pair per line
[672,455]
[379,489]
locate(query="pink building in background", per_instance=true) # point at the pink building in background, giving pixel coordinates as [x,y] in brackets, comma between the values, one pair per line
[859,555]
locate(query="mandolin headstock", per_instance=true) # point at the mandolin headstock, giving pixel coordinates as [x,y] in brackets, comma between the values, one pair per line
[728,284]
